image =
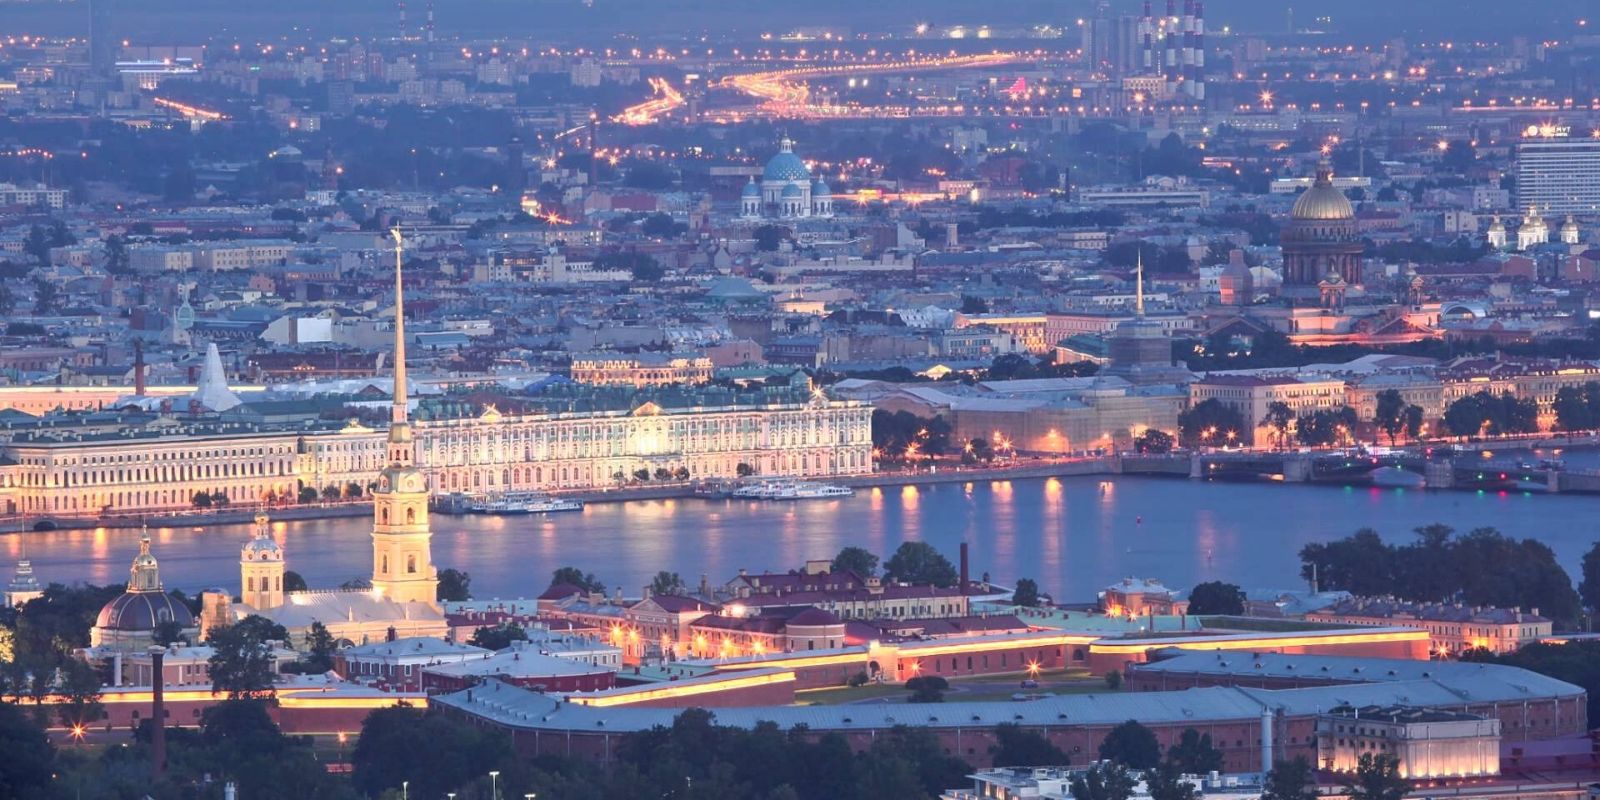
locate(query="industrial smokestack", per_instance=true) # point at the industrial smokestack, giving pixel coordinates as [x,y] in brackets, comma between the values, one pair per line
[1147,40]
[963,567]
[1170,60]
[158,712]
[1199,50]
[138,367]
[1186,29]
[1266,740]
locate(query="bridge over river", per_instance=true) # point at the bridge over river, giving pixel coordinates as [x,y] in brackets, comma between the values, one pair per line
[1399,469]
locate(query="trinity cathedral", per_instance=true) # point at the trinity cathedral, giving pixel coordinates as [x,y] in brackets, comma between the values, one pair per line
[787,190]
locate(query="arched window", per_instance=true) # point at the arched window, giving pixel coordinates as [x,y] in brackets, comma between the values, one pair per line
[383,516]
[411,516]
[411,564]
[385,565]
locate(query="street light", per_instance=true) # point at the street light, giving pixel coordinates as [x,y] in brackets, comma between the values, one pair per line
[405,790]
[494,784]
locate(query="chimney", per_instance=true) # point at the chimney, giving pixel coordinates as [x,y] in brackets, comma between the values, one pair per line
[138,367]
[963,567]
[158,711]
[1266,740]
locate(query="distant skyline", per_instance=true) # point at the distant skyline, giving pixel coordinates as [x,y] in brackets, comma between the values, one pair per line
[173,20]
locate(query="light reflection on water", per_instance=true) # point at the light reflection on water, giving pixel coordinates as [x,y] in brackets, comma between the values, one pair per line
[1073,535]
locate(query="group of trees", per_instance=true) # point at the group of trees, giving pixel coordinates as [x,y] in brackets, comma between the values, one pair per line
[1210,422]
[902,434]
[1395,417]
[1216,598]
[1440,566]
[1578,407]
[1486,413]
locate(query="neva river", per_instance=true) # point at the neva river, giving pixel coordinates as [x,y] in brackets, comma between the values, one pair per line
[1073,535]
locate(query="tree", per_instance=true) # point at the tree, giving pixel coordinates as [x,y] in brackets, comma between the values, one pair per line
[973,304]
[1165,782]
[927,689]
[166,632]
[1413,422]
[116,255]
[432,754]
[855,559]
[1113,678]
[1290,780]
[80,689]
[201,499]
[1026,593]
[498,637]
[37,244]
[454,585]
[307,494]
[1389,415]
[241,664]
[1194,753]
[293,582]
[1572,410]
[1132,745]
[29,763]
[572,576]
[1154,442]
[661,226]
[1216,597]
[1208,423]
[1279,417]
[1589,585]
[1109,781]
[1015,747]
[919,562]
[320,648]
[666,583]
[769,237]
[1377,777]
[45,296]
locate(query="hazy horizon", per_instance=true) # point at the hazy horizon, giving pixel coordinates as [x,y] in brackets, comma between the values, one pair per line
[173,21]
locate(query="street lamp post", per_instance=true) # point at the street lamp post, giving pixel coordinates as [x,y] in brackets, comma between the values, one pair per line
[405,790]
[494,784]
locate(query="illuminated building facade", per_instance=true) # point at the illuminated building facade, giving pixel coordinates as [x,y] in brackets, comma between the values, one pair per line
[62,472]
[1429,743]
[1454,628]
[640,369]
[1558,174]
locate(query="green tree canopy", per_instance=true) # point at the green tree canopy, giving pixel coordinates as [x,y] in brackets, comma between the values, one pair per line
[1017,747]
[919,562]
[1132,745]
[1026,593]
[1290,780]
[855,559]
[454,585]
[1216,597]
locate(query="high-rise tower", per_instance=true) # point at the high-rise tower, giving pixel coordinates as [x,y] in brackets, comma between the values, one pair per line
[402,563]
[103,44]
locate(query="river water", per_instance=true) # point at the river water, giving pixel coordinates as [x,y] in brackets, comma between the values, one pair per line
[1073,535]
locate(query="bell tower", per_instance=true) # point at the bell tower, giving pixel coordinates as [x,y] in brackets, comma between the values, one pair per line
[402,564]
[261,568]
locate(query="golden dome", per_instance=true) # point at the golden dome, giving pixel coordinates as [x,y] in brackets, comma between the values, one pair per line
[1322,202]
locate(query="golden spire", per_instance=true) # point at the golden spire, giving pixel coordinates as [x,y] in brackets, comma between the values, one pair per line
[1138,284]
[400,449]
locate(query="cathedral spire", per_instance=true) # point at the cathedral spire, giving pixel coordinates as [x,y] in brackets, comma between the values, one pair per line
[401,451]
[1138,285]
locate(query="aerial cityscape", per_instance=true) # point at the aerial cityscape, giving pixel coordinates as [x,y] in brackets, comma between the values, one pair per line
[1090,399]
